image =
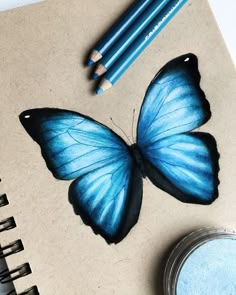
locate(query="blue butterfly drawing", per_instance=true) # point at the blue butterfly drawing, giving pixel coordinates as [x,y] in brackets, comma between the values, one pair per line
[107,188]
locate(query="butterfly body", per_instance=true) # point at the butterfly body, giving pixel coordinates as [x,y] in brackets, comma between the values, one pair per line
[108,174]
[138,158]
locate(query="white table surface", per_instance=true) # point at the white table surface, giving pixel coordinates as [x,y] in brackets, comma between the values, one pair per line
[10,4]
[224,11]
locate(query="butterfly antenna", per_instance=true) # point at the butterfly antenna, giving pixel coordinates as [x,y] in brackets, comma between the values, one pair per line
[132,131]
[121,130]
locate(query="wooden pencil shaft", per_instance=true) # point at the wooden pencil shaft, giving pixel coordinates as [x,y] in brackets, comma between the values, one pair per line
[144,39]
[100,70]
[122,25]
[105,84]
[132,33]
[95,56]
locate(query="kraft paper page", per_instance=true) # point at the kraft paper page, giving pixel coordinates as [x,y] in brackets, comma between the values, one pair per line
[43,48]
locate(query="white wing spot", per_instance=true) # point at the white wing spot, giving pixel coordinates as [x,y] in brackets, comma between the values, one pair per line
[27,116]
[187,59]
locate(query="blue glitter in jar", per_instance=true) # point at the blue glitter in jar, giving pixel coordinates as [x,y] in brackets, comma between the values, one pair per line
[203,263]
[210,269]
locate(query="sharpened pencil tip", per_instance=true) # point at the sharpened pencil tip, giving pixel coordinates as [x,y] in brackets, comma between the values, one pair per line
[95,76]
[99,91]
[90,63]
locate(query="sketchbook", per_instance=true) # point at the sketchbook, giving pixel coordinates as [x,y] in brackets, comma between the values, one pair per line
[43,48]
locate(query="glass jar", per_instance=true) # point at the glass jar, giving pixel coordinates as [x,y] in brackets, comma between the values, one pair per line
[184,249]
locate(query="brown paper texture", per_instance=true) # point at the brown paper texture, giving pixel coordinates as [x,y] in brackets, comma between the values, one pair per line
[42,51]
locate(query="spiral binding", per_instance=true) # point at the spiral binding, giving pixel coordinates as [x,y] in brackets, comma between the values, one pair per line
[6,275]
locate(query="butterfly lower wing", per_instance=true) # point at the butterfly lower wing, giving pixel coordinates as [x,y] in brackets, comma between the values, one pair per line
[109,199]
[173,105]
[76,146]
[174,102]
[186,166]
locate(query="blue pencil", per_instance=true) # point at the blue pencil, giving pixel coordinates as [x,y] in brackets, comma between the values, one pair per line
[129,36]
[137,47]
[118,29]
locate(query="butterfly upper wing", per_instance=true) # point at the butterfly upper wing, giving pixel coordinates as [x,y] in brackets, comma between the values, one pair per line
[75,146]
[174,102]
[181,163]
[72,144]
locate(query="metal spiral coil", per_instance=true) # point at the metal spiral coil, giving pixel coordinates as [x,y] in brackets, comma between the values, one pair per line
[6,275]
[31,291]
[3,200]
